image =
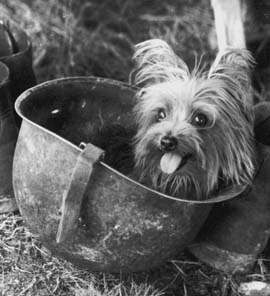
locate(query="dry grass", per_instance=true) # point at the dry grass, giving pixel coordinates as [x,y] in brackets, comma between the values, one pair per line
[27,268]
[96,37]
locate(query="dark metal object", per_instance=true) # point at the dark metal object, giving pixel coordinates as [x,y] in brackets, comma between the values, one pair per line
[8,137]
[121,224]
[19,63]
[237,231]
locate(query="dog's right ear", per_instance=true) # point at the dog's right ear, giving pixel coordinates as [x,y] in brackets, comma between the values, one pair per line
[156,62]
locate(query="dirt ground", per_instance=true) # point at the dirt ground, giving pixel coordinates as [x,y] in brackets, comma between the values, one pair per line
[96,38]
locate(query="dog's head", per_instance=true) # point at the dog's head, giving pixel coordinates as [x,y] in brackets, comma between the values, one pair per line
[195,130]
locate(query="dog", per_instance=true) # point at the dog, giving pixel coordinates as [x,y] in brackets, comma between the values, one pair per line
[194,128]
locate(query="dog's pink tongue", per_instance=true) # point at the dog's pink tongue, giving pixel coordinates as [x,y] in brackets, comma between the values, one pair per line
[170,162]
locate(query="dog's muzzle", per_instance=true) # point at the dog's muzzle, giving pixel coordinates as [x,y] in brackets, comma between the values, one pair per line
[168,143]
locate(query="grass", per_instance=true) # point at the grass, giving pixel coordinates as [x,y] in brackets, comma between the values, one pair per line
[27,268]
[96,38]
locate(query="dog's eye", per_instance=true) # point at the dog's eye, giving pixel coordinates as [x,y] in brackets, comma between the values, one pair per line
[161,114]
[200,120]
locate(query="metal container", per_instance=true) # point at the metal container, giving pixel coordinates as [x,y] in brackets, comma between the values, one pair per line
[82,209]
[8,137]
[19,63]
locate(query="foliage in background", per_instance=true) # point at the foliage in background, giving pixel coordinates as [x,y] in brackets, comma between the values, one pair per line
[96,37]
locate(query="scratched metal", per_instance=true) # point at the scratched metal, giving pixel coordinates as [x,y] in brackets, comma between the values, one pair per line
[123,225]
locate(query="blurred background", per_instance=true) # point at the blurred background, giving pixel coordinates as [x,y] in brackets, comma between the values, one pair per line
[96,37]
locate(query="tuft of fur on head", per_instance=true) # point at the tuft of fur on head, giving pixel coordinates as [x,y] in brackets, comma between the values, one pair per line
[208,113]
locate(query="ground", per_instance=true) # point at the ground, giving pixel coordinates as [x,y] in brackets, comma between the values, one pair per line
[96,38]
[27,268]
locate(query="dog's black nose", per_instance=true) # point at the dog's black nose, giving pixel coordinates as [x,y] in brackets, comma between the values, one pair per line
[168,143]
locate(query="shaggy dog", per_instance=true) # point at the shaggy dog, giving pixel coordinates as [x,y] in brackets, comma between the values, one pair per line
[195,129]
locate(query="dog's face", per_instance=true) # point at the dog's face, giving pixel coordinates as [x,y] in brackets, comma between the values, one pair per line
[194,131]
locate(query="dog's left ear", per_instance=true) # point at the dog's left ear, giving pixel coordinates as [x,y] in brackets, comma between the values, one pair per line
[234,67]
[156,62]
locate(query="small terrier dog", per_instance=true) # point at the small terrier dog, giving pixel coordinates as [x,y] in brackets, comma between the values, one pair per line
[194,129]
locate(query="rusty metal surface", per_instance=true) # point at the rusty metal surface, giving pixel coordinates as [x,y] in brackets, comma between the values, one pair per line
[22,75]
[123,225]
[8,137]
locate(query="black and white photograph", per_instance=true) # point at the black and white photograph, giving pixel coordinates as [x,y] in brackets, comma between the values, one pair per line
[134,148]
